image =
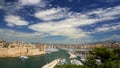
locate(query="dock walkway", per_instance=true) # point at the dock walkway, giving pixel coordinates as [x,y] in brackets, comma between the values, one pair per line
[51,64]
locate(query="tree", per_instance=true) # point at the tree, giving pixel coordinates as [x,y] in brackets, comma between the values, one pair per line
[117,52]
[70,66]
[90,61]
[102,53]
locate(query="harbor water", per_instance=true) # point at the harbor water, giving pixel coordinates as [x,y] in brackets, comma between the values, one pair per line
[34,61]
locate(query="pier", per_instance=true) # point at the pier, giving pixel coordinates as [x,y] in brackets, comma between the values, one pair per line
[51,64]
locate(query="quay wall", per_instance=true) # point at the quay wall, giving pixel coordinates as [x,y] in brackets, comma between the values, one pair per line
[16,52]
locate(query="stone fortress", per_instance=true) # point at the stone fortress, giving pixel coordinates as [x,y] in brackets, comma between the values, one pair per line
[16,49]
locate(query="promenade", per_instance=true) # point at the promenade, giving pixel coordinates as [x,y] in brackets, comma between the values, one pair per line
[51,64]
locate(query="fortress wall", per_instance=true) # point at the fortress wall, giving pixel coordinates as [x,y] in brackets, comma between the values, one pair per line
[16,52]
[3,52]
[34,52]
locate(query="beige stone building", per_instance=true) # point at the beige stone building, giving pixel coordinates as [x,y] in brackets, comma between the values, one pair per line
[16,49]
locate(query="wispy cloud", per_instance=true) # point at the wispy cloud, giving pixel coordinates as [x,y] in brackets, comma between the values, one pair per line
[51,14]
[112,37]
[71,20]
[107,28]
[106,14]
[29,2]
[15,21]
[61,29]
[37,37]
[40,3]
[14,6]
[60,21]
[13,33]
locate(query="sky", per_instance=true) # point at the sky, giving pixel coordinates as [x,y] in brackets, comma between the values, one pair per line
[60,21]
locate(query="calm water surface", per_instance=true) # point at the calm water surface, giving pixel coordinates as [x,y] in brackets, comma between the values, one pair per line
[32,62]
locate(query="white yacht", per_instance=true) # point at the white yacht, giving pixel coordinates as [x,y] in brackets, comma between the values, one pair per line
[23,57]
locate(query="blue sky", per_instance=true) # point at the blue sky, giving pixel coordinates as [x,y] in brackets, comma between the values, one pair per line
[60,21]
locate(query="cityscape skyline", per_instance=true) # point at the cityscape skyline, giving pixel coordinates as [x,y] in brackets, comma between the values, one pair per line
[64,21]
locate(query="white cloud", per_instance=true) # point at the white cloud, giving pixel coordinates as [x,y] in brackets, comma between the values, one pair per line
[53,29]
[15,7]
[50,14]
[86,18]
[15,20]
[68,24]
[106,14]
[64,28]
[13,33]
[10,25]
[108,27]
[72,20]
[37,3]
[29,2]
